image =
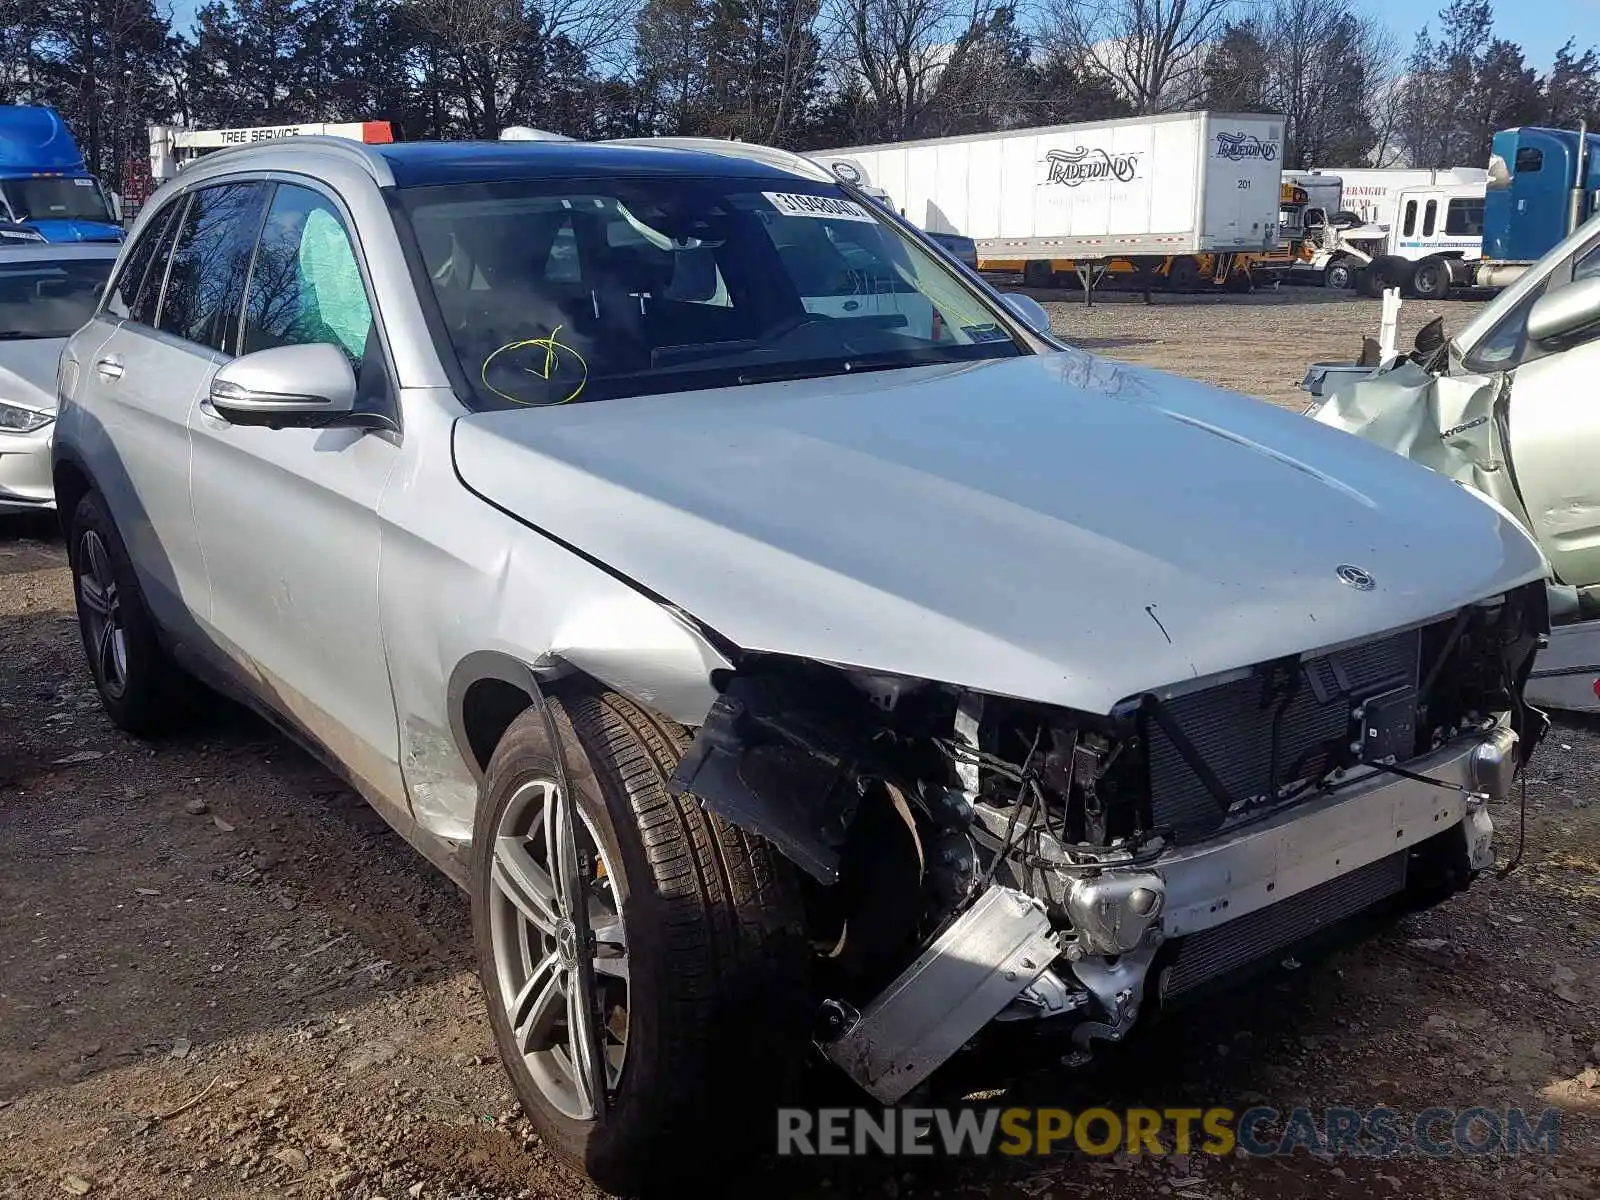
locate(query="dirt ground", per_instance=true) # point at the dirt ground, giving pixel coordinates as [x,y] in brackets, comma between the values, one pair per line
[221,976]
[1259,344]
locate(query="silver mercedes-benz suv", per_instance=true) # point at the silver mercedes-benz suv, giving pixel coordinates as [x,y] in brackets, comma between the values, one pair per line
[796,653]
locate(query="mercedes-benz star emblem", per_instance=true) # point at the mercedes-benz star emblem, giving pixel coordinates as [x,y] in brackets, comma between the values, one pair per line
[1354,577]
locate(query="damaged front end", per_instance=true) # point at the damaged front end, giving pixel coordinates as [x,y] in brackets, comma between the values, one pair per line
[975,858]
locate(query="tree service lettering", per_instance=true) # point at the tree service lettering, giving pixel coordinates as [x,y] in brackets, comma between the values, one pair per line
[1083,165]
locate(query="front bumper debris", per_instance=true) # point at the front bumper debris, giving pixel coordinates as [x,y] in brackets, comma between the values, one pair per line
[1225,901]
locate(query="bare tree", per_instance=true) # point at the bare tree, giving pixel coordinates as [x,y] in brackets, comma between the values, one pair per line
[1152,51]
[500,52]
[1325,61]
[909,59]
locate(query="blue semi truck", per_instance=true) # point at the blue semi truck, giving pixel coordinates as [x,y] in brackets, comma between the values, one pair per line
[1543,183]
[46,191]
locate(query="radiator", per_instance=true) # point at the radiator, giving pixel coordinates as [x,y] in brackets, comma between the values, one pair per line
[1205,956]
[1231,727]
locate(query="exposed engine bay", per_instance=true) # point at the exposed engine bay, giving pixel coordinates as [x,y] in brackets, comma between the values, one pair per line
[973,857]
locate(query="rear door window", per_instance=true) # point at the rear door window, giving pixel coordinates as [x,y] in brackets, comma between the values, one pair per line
[137,289]
[1430,215]
[205,283]
[1410,226]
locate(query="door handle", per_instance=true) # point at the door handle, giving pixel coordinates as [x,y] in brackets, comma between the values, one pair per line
[109,367]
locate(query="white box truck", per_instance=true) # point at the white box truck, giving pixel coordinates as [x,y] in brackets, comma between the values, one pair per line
[1177,200]
[1372,193]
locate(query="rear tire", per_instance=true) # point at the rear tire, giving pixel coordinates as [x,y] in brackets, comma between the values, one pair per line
[1183,275]
[144,692]
[1431,279]
[714,1003]
[1038,273]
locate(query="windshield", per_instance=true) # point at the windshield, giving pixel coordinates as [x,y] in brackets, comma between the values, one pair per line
[584,290]
[51,198]
[44,298]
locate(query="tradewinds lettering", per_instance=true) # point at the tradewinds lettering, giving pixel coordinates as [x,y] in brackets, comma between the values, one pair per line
[1237,146]
[1083,165]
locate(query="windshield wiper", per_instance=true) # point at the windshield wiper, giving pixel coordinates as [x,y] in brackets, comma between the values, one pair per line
[784,375]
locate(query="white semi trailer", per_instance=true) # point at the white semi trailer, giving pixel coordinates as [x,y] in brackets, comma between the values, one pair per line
[1172,199]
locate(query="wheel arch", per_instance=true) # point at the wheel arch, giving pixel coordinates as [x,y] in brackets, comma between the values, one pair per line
[665,665]
[73,482]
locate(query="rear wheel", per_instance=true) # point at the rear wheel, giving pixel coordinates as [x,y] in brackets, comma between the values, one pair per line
[143,690]
[1431,279]
[1038,273]
[643,961]
[1183,275]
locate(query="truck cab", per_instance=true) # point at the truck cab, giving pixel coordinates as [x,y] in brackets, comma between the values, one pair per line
[1543,183]
[46,191]
[1431,242]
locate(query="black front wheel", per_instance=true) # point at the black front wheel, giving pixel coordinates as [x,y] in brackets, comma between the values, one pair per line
[1431,279]
[142,689]
[1340,275]
[642,960]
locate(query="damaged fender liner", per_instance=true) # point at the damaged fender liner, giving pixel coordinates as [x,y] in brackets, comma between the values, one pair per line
[771,759]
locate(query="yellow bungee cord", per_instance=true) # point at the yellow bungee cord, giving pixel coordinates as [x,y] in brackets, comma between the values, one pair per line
[553,349]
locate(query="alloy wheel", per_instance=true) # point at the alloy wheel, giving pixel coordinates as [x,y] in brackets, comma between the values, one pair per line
[101,605]
[561,957]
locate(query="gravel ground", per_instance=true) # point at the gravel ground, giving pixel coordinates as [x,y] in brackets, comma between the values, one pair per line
[221,975]
[1258,344]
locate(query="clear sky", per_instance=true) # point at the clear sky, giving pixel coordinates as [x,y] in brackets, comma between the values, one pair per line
[1539,26]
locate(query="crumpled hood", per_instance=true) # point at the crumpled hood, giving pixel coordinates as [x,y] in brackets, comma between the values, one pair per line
[1054,527]
[28,372]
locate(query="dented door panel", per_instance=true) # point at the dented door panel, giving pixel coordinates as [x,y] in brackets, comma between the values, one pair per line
[1452,424]
[1555,437]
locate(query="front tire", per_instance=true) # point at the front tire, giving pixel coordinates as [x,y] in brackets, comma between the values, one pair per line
[690,1000]
[1340,275]
[1431,279]
[143,691]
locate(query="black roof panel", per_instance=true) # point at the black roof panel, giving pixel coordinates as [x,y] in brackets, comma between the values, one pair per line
[417,164]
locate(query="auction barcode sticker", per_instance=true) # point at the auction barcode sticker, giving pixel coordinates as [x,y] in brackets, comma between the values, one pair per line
[827,207]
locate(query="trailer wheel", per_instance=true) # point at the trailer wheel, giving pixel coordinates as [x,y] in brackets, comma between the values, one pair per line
[1038,273]
[1371,280]
[1431,279]
[1340,275]
[1183,275]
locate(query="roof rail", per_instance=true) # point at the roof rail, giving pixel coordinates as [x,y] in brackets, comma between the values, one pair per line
[352,151]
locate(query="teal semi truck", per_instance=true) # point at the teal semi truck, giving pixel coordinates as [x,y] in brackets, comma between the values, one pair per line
[46,191]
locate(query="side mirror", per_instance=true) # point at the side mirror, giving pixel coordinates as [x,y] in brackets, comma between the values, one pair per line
[286,386]
[1566,311]
[1027,310]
